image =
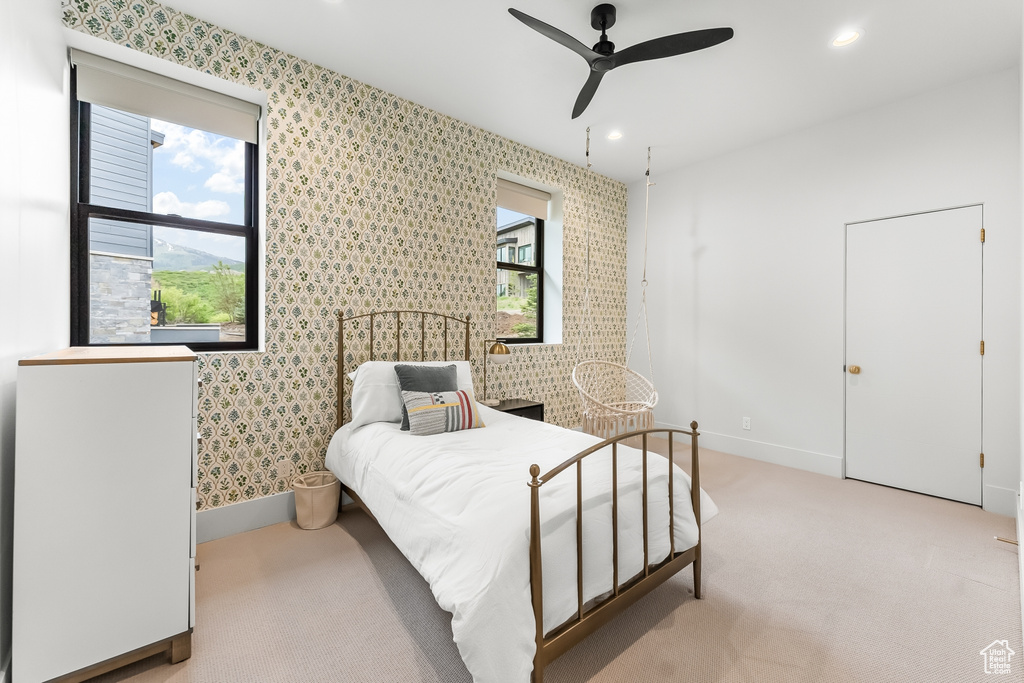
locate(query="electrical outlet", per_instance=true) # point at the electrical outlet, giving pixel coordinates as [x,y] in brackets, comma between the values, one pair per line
[285,470]
[746,423]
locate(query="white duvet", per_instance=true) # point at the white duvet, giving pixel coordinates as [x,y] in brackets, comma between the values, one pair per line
[457,506]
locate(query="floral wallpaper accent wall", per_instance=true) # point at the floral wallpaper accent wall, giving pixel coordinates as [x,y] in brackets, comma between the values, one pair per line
[373,202]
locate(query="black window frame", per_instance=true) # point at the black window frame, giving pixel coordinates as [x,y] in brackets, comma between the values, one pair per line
[82,211]
[538,269]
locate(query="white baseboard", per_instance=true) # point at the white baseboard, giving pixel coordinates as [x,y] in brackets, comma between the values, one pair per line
[245,516]
[821,463]
[999,500]
[1020,555]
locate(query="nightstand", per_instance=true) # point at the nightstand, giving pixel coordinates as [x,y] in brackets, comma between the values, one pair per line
[531,410]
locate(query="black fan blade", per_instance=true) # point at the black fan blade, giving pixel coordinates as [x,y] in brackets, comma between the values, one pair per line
[587,93]
[556,35]
[669,46]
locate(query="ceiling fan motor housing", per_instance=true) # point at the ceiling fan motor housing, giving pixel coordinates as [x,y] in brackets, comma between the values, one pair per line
[602,17]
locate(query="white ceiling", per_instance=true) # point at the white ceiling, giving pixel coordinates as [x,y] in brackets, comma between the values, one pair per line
[472,60]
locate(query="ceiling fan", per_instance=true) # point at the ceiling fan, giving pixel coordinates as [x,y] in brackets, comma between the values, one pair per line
[603,57]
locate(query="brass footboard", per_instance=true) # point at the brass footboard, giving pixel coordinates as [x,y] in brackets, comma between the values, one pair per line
[588,620]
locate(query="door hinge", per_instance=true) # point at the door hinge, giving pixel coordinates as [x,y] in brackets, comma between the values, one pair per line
[982,461]
[983,235]
[983,347]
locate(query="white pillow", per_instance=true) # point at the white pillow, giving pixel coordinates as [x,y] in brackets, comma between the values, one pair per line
[377,396]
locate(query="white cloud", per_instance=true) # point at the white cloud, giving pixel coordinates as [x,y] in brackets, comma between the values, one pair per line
[168,202]
[222,182]
[196,151]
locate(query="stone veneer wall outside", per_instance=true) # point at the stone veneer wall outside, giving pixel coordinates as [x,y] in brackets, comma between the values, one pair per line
[119,293]
[373,203]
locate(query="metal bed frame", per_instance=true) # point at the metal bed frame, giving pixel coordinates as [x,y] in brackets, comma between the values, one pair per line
[589,617]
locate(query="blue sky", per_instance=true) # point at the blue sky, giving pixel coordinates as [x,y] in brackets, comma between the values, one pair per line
[199,175]
[506,216]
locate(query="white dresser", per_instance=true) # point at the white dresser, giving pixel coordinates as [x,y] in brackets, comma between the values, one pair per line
[104,510]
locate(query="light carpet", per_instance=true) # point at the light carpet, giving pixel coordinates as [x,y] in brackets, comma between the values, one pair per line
[807,578]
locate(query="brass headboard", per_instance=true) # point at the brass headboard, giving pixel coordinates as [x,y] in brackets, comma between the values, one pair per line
[392,335]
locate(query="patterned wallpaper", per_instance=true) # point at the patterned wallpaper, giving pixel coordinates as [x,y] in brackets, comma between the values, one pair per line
[373,202]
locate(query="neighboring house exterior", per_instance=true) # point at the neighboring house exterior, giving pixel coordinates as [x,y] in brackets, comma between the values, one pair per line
[515,245]
[120,253]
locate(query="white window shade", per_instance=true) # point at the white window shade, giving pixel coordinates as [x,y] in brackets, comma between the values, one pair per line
[119,86]
[522,199]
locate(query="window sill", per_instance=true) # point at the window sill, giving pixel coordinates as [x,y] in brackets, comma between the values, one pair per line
[522,344]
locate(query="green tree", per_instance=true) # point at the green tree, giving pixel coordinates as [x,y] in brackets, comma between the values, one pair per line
[528,328]
[525,329]
[185,308]
[530,307]
[229,292]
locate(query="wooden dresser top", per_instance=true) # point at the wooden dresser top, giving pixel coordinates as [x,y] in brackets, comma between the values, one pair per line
[81,355]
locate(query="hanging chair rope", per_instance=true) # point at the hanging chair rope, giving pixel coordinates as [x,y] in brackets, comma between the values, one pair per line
[642,312]
[615,398]
[585,319]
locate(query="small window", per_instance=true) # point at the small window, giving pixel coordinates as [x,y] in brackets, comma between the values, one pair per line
[526,254]
[164,234]
[520,280]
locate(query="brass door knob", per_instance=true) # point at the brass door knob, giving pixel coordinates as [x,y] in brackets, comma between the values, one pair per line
[854,369]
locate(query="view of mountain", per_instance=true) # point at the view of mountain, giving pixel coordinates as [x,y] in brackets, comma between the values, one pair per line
[167,256]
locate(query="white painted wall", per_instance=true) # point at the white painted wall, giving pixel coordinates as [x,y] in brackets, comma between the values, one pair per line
[1020,483]
[746,267]
[34,220]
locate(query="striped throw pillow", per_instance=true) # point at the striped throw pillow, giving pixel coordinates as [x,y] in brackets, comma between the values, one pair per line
[441,411]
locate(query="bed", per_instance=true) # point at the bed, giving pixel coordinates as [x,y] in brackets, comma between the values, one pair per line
[530,535]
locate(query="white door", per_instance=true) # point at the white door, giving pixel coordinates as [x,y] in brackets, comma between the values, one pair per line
[914,333]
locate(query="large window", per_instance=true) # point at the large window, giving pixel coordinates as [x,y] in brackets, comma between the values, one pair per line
[164,233]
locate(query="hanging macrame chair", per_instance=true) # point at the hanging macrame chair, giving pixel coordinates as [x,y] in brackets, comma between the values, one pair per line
[616,399]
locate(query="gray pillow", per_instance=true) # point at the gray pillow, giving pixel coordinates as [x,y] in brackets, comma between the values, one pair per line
[425,378]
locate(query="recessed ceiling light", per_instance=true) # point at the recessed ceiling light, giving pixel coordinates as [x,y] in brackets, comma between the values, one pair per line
[614,135]
[845,38]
